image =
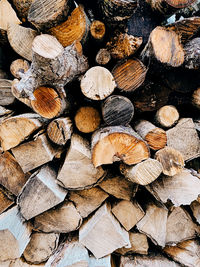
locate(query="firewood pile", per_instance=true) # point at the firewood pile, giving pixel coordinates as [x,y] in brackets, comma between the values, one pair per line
[99,133]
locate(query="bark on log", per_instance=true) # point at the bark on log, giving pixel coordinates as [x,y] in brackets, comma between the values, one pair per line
[6,96]
[192,54]
[6,199]
[19,67]
[167,116]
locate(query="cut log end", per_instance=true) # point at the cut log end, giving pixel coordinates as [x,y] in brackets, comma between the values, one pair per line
[103,56]
[18,67]
[97,29]
[167,116]
[156,139]
[196,98]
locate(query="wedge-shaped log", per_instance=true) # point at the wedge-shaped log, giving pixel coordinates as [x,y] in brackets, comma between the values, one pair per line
[41,247]
[116,143]
[167,116]
[64,218]
[32,202]
[6,96]
[102,233]
[6,199]
[78,171]
[14,235]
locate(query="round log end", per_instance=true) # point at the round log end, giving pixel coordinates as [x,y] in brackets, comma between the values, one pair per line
[97,29]
[167,116]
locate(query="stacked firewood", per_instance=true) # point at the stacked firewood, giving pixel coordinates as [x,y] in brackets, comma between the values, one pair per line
[99,133]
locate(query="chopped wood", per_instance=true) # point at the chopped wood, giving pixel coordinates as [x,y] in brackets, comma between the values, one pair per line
[184,138]
[192,54]
[18,67]
[103,57]
[32,202]
[102,233]
[6,199]
[116,143]
[103,262]
[196,98]
[180,3]
[14,235]
[22,7]
[64,219]
[142,173]
[20,262]
[88,200]
[78,172]
[6,96]
[195,207]
[97,30]
[128,213]
[5,112]
[167,116]
[87,119]
[97,83]
[117,110]
[171,159]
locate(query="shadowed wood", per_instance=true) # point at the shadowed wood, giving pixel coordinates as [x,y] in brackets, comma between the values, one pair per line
[6,199]
[103,57]
[6,96]
[97,30]
[167,116]
[196,98]
[18,67]
[22,7]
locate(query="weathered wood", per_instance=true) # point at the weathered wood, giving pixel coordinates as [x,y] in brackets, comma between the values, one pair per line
[6,96]
[167,116]
[142,173]
[18,67]
[86,201]
[6,199]
[117,110]
[5,112]
[103,56]
[171,159]
[22,7]
[192,54]
[14,235]
[64,218]
[77,171]
[20,262]
[97,83]
[195,207]
[128,213]
[116,143]
[32,202]
[102,233]
[97,30]
[196,98]
[103,262]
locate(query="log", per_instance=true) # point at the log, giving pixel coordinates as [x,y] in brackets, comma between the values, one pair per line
[15,129]
[128,213]
[142,173]
[75,28]
[169,187]
[33,154]
[60,130]
[6,199]
[155,137]
[116,143]
[103,262]
[167,116]
[102,233]
[6,96]
[97,83]
[64,218]
[184,138]
[4,113]
[129,75]
[81,174]
[103,57]
[41,247]
[32,202]
[196,98]
[18,67]
[192,54]
[171,159]
[195,207]
[14,235]
[21,263]
[97,30]
[87,119]
[88,200]
[117,110]
[22,7]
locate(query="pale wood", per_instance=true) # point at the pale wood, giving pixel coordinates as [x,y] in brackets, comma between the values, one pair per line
[102,233]
[21,97]
[167,116]
[103,262]
[154,223]
[15,129]
[196,98]
[77,171]
[142,173]
[41,247]
[195,207]
[4,112]
[88,200]
[97,30]
[171,159]
[7,15]
[32,202]
[116,143]
[14,235]
[6,96]
[184,138]
[6,199]
[22,263]
[128,213]
[64,219]
[181,189]
[18,67]
[103,57]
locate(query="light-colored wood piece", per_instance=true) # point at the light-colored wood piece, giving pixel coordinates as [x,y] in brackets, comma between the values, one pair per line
[7,15]
[103,262]
[18,67]
[4,112]
[6,199]
[167,116]
[6,96]
[22,263]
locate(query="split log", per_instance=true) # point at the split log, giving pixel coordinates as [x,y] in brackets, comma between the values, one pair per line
[32,202]
[169,187]
[6,199]
[6,96]
[18,95]
[78,172]
[20,262]
[97,30]
[118,187]
[184,138]
[59,130]
[19,67]
[155,137]
[33,154]
[116,143]
[171,159]
[15,129]
[14,235]
[22,7]
[21,40]
[154,223]
[46,14]
[75,28]
[142,173]
[129,75]
[87,119]
[192,54]
[103,262]
[86,201]
[41,247]
[5,113]
[167,116]
[103,57]
[195,207]
[102,233]
[117,110]
[97,83]
[64,218]
[128,213]
[139,244]
[196,98]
